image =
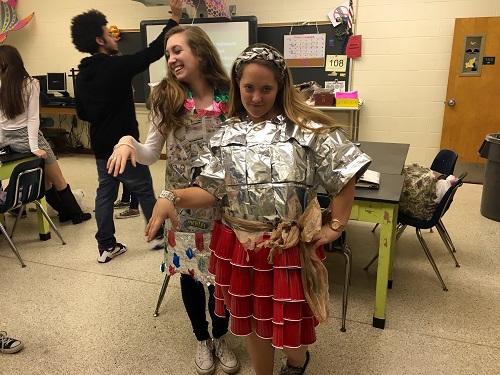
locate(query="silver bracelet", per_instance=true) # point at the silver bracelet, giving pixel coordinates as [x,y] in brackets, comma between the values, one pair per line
[169,195]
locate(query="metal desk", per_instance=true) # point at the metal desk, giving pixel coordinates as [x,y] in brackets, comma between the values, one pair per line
[381,206]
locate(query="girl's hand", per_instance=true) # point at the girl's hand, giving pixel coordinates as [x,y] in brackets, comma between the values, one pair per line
[122,152]
[163,210]
[41,154]
[325,236]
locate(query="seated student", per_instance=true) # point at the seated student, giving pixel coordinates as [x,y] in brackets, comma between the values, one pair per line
[19,124]
[9,345]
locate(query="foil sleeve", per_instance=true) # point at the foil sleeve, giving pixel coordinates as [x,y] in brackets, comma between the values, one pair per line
[337,161]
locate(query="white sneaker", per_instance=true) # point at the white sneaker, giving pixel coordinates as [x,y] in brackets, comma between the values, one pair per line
[226,356]
[204,359]
[108,254]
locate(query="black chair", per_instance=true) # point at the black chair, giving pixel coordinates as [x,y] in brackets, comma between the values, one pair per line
[444,162]
[340,246]
[405,220]
[26,185]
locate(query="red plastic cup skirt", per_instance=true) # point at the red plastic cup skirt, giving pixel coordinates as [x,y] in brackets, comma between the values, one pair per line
[264,298]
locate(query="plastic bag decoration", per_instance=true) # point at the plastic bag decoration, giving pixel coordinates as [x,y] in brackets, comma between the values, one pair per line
[215,8]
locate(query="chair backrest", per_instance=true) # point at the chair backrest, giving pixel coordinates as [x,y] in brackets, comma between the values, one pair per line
[444,162]
[25,184]
[445,203]
[448,197]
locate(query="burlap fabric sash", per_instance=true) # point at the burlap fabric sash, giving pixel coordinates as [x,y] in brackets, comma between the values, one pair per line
[284,236]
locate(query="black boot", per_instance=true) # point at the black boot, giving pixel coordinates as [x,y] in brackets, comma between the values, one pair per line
[70,207]
[52,198]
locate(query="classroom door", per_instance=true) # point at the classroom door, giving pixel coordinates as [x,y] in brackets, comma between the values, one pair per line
[472,104]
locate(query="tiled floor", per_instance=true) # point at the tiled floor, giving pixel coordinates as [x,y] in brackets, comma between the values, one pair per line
[76,316]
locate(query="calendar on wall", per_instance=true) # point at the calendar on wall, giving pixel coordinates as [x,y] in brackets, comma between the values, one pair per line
[304,50]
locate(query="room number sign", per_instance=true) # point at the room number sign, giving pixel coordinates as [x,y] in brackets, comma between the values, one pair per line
[336,63]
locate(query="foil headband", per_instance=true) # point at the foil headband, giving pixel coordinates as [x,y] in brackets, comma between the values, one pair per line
[261,53]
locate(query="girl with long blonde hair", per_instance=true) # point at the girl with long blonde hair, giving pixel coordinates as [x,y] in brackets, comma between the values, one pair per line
[188,106]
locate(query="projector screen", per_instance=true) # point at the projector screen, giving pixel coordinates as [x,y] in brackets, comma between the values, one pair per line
[230,37]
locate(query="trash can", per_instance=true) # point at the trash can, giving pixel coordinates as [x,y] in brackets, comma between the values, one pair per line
[490,200]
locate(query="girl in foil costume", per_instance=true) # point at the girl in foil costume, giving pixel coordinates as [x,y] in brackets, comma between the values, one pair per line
[267,161]
[187,108]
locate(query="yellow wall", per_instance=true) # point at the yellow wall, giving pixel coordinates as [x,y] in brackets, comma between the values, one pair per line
[402,75]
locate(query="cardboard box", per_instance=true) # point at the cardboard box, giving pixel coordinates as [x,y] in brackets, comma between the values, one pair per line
[326,99]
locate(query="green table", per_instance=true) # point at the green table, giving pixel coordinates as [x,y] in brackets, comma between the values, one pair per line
[381,206]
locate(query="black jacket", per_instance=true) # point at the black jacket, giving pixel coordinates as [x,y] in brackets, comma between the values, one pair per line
[104,94]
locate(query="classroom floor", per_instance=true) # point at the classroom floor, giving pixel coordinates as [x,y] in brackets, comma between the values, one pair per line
[76,316]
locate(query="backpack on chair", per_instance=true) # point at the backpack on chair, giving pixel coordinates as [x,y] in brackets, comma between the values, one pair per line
[418,197]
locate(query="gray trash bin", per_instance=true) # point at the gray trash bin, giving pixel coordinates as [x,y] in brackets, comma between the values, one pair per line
[490,200]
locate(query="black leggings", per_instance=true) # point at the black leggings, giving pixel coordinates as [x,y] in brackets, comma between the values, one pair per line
[193,296]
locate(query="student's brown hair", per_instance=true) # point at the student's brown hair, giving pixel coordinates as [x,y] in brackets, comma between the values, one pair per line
[167,98]
[13,77]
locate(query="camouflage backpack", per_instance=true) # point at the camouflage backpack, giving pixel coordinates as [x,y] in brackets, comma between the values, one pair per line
[419,192]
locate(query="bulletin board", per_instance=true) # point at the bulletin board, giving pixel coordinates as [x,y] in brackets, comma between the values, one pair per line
[336,41]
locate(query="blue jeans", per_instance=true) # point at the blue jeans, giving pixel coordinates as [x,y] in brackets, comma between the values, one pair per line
[137,180]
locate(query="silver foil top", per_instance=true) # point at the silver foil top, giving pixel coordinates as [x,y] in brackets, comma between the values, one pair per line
[269,171]
[187,152]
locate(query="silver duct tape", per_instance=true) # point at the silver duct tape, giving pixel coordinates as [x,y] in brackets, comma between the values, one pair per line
[290,200]
[259,158]
[234,164]
[267,203]
[235,133]
[265,132]
[266,170]
[289,163]
[187,149]
[338,160]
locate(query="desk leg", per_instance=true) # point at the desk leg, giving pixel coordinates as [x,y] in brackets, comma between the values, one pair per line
[43,224]
[352,125]
[356,125]
[385,261]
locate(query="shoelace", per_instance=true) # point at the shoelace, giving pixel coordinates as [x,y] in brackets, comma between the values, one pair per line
[207,351]
[222,348]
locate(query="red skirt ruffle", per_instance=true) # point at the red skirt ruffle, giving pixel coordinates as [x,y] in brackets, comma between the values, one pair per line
[261,297]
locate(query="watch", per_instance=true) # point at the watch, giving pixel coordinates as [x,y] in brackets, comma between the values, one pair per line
[336,225]
[169,195]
